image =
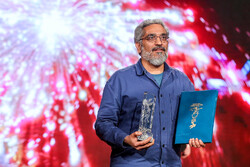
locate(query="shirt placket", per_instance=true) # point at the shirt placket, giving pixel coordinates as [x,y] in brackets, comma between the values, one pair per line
[165,117]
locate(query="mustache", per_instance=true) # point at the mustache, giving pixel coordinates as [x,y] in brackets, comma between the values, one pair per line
[158,47]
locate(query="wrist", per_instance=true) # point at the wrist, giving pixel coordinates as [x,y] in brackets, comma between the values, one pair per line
[125,141]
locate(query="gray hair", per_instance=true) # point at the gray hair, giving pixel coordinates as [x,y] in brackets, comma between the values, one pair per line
[139,31]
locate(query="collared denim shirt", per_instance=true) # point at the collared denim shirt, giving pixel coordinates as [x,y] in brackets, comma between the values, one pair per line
[120,109]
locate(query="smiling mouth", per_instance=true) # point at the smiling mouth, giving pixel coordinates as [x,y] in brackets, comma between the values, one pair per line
[157,49]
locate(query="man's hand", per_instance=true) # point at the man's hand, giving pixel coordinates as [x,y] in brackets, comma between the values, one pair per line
[196,143]
[138,145]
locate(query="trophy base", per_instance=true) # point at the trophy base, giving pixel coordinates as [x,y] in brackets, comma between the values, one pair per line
[144,136]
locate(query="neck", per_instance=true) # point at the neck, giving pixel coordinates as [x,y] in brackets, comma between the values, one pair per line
[151,68]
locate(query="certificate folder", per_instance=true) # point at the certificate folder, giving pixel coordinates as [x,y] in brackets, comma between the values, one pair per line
[196,116]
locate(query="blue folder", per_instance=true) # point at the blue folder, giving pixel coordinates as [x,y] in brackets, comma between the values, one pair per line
[196,116]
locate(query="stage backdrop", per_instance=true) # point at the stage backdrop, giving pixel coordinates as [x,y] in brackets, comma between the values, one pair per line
[56,56]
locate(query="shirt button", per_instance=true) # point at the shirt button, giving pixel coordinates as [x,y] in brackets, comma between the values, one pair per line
[162,162]
[161,95]
[163,128]
[163,145]
[162,111]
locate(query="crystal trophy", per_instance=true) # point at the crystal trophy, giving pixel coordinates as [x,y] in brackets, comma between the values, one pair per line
[146,119]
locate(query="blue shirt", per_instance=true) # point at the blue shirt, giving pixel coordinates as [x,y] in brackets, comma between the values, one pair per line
[120,109]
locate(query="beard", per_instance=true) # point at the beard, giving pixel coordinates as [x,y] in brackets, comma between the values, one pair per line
[155,60]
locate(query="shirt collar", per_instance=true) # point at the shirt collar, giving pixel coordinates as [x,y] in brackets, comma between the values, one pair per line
[140,70]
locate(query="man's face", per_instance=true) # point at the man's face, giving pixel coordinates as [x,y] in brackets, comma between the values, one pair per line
[154,50]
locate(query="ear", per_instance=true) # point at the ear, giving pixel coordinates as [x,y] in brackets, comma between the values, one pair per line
[138,47]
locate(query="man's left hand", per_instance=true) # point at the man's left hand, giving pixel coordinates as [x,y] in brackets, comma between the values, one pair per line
[196,143]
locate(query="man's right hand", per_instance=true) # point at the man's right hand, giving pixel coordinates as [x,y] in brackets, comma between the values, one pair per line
[132,140]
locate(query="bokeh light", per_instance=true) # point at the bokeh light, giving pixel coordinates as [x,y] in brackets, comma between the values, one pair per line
[56,56]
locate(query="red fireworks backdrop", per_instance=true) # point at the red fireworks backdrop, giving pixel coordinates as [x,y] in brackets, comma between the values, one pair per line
[55,58]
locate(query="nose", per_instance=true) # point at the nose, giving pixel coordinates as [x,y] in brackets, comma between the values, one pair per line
[158,41]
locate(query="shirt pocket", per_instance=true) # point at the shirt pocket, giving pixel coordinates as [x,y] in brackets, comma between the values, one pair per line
[174,103]
[136,117]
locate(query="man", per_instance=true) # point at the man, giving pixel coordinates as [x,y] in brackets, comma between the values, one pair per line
[119,114]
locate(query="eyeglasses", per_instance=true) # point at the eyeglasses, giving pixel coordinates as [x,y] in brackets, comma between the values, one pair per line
[153,38]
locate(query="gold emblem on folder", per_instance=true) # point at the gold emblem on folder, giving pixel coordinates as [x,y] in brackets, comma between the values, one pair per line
[195,107]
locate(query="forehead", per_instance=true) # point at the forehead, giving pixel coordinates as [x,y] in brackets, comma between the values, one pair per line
[154,29]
